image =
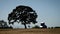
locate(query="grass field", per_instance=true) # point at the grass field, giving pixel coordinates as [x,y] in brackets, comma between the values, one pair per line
[30,31]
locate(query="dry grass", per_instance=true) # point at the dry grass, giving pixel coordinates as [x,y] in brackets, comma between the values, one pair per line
[30,31]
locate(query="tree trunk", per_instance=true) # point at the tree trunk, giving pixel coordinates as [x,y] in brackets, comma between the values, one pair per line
[25,25]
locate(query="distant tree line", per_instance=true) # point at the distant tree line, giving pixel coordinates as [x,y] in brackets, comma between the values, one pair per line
[53,27]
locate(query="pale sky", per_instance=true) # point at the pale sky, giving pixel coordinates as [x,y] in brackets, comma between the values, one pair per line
[48,10]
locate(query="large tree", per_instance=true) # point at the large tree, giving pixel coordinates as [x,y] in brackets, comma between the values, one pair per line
[22,14]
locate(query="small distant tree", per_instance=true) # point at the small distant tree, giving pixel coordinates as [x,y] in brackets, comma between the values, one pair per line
[29,26]
[22,14]
[3,23]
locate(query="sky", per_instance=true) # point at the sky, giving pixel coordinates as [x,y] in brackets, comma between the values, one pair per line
[48,11]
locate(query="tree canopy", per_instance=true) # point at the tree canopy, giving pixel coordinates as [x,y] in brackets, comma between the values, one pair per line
[23,14]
